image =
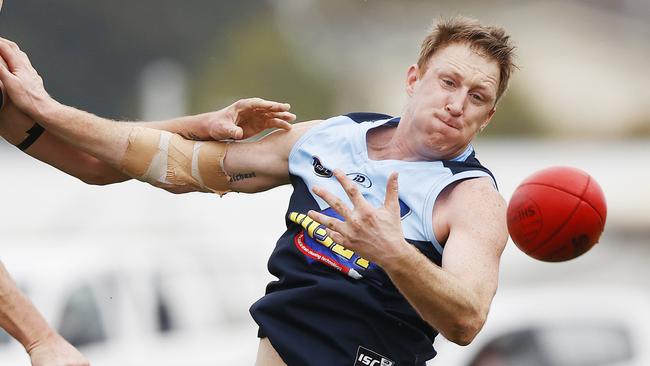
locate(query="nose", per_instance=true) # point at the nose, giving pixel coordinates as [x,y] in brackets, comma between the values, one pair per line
[454,106]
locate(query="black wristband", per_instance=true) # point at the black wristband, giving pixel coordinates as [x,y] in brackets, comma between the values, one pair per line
[32,135]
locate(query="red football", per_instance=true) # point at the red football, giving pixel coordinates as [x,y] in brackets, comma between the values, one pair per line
[557,214]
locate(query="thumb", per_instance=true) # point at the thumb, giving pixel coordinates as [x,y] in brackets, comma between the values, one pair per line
[236,132]
[220,132]
[391,200]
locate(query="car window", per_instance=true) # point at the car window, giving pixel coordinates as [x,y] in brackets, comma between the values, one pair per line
[81,322]
[566,345]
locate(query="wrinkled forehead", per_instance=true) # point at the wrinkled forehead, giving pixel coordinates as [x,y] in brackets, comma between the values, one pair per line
[462,57]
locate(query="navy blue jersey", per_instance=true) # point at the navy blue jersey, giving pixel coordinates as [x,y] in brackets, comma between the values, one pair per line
[329,305]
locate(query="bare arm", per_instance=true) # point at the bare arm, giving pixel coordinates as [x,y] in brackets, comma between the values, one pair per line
[256,166]
[249,116]
[454,298]
[23,322]
[253,165]
[14,127]
[65,151]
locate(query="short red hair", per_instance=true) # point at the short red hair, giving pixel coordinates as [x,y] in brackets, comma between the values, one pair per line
[490,41]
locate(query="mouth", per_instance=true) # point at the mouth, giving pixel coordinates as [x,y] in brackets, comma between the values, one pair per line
[446,120]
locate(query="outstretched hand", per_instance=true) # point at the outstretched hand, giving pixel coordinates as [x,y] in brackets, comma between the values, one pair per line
[21,81]
[248,117]
[374,233]
[55,351]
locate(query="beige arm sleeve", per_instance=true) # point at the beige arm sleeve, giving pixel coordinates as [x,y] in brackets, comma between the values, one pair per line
[168,161]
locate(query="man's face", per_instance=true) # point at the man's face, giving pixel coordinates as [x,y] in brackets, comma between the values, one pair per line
[452,100]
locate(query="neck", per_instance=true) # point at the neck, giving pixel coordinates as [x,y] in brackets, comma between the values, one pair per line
[400,143]
[387,142]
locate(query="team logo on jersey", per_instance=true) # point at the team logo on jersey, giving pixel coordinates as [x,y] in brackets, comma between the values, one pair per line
[320,169]
[360,179]
[366,357]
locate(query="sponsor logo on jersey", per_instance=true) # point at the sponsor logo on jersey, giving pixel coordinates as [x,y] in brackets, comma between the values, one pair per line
[320,169]
[316,245]
[360,179]
[366,357]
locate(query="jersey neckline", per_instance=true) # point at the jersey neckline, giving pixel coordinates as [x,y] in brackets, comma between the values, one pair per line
[362,143]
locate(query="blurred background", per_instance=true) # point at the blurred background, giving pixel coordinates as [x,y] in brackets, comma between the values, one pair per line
[136,276]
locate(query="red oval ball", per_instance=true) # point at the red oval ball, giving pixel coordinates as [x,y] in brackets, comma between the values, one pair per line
[557,214]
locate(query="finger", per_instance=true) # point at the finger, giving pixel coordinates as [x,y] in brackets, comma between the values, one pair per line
[287,116]
[331,223]
[275,106]
[278,123]
[15,59]
[333,202]
[6,76]
[236,132]
[351,189]
[8,54]
[259,103]
[9,43]
[232,131]
[391,201]
[338,238]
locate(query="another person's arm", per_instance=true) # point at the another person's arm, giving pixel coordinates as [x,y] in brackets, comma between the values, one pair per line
[20,130]
[162,159]
[23,322]
[242,119]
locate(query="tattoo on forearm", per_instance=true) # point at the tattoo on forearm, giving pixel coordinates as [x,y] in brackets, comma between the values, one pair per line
[32,135]
[241,176]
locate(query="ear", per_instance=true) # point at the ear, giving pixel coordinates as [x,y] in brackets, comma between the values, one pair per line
[489,118]
[412,76]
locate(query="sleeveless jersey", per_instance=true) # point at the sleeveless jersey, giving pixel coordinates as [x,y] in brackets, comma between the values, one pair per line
[330,306]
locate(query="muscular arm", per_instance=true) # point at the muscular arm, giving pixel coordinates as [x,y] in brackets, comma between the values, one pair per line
[53,151]
[256,166]
[118,144]
[253,165]
[456,297]
[67,145]
[241,119]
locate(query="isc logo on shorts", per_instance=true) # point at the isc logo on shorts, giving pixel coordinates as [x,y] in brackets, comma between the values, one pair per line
[366,357]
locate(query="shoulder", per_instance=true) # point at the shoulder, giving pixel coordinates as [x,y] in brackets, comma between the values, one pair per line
[473,195]
[471,204]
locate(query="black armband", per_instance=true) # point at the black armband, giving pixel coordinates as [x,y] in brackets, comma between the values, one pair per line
[32,135]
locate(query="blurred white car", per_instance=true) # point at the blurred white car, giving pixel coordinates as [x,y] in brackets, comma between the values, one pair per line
[136,305]
[559,326]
